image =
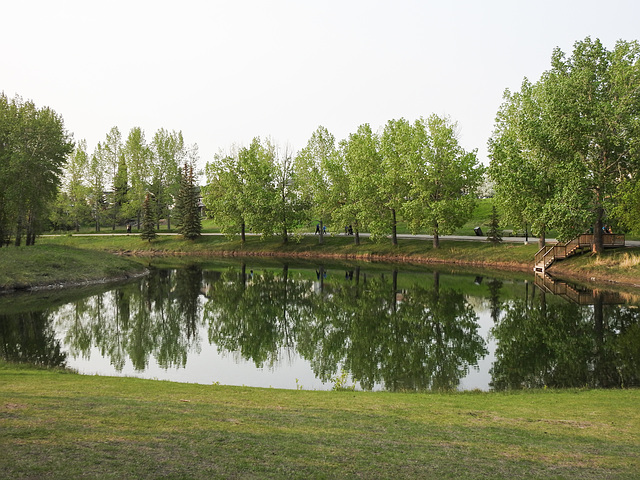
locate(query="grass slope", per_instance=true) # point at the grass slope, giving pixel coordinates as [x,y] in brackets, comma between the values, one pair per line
[59,425]
[51,265]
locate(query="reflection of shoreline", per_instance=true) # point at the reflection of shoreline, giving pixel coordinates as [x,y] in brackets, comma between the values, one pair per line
[391,327]
[579,294]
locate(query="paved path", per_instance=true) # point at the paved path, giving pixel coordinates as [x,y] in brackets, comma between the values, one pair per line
[470,238]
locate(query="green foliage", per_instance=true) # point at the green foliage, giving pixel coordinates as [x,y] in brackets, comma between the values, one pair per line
[33,149]
[563,146]
[189,223]
[222,192]
[137,156]
[444,179]
[148,221]
[168,154]
[315,174]
[341,382]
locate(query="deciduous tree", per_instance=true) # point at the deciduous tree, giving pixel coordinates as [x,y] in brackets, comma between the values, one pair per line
[442,179]
[315,167]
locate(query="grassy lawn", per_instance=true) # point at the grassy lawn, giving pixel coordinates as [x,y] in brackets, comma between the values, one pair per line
[60,425]
[336,246]
[57,264]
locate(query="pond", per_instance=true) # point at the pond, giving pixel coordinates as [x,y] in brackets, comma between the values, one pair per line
[323,326]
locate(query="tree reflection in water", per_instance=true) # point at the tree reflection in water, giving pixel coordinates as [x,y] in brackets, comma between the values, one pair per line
[426,338]
[401,331]
[549,342]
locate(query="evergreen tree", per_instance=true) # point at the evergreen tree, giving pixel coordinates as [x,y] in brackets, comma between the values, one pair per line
[494,235]
[189,222]
[148,220]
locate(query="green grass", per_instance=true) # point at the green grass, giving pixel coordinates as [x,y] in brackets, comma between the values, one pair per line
[57,425]
[416,250]
[79,259]
[51,264]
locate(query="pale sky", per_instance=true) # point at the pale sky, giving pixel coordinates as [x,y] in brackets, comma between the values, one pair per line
[224,72]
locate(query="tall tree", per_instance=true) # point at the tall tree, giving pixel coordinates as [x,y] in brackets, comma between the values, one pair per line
[138,160]
[443,178]
[523,170]
[225,182]
[8,190]
[121,189]
[593,107]
[314,170]
[288,207]
[97,184]
[169,153]
[76,188]
[34,146]
[258,194]
[398,149]
[589,106]
[362,165]
[112,147]
[190,226]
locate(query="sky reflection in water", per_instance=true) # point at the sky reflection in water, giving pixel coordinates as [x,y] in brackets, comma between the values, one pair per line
[290,326]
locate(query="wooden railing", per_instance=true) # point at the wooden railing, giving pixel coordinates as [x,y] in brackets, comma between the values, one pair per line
[550,253]
[573,293]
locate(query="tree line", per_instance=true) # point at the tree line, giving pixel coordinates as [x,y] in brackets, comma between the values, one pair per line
[564,156]
[416,171]
[125,181]
[48,181]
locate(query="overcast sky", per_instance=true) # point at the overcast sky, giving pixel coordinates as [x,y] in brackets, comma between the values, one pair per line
[224,72]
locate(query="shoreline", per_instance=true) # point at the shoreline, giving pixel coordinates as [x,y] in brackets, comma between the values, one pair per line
[457,254]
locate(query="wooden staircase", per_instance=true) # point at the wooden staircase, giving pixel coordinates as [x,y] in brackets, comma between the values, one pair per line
[550,253]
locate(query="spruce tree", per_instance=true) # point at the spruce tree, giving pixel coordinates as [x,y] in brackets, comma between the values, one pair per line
[190,224]
[148,221]
[494,235]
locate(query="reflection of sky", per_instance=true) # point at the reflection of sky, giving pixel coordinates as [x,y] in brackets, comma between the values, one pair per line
[479,378]
[205,365]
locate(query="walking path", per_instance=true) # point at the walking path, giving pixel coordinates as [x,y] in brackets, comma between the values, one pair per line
[470,238]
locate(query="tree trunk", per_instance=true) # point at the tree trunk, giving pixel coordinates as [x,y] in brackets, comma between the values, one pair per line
[436,237]
[321,238]
[357,235]
[542,239]
[394,228]
[243,228]
[31,230]
[598,245]
[394,287]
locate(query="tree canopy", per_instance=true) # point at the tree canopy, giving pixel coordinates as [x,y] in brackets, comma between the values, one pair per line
[578,127]
[34,146]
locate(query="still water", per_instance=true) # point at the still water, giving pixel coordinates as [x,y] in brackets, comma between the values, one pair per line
[318,327]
